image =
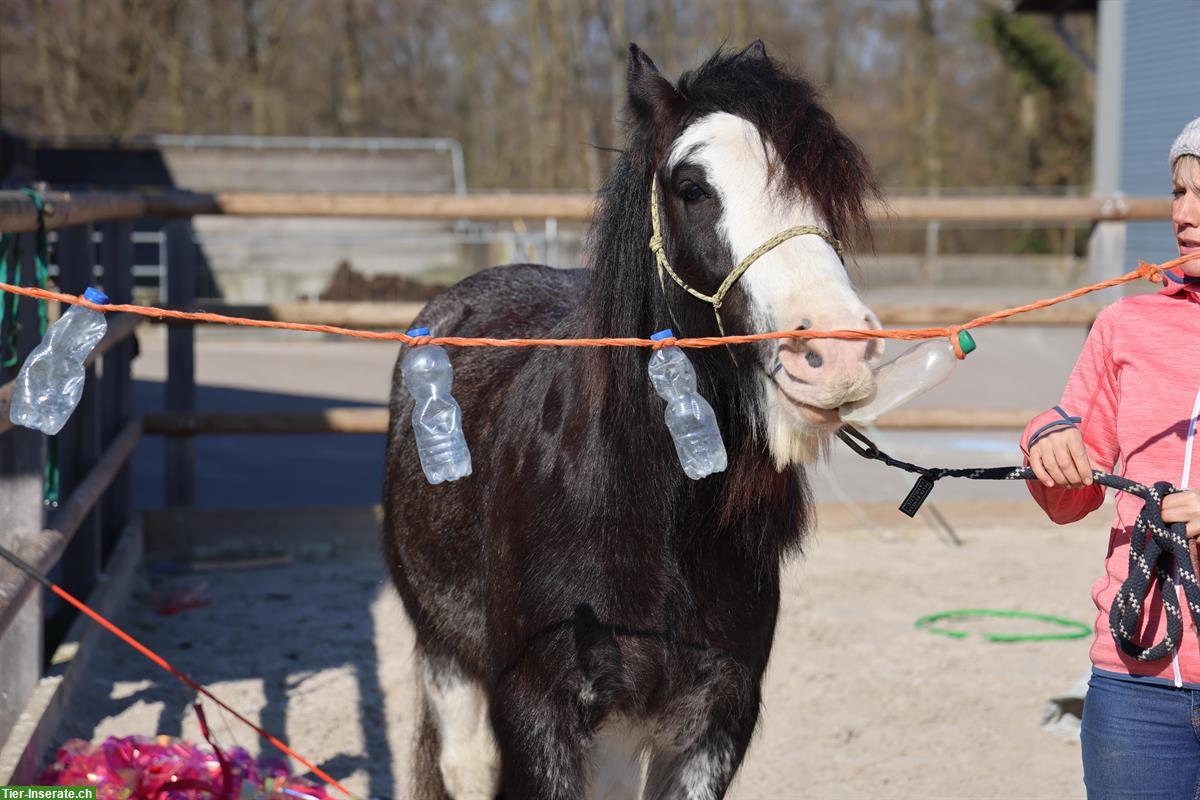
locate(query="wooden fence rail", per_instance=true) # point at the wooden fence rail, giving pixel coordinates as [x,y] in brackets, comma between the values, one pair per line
[17,212]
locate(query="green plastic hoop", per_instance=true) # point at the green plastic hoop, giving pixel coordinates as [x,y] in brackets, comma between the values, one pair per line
[1078,630]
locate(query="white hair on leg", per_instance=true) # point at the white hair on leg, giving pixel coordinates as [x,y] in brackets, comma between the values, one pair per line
[705,773]
[699,773]
[469,759]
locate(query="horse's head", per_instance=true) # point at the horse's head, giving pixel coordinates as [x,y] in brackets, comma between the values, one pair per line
[741,152]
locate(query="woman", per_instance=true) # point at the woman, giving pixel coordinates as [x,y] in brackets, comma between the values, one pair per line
[1134,397]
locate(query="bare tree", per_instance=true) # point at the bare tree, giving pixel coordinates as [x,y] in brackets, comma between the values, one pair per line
[529,86]
[263,38]
[352,116]
[175,58]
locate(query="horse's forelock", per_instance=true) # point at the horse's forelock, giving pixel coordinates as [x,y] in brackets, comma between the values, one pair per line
[819,162]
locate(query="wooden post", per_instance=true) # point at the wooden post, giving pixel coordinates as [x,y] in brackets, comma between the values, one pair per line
[21,454]
[1068,250]
[79,442]
[551,230]
[181,362]
[116,386]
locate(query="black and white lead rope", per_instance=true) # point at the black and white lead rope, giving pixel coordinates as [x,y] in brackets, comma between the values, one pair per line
[1155,547]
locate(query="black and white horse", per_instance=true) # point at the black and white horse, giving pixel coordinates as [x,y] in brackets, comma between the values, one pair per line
[588,619]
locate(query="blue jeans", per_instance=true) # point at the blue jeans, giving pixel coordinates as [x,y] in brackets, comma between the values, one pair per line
[1140,740]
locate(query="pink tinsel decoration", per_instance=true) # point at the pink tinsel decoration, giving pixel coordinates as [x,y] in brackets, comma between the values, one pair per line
[140,768]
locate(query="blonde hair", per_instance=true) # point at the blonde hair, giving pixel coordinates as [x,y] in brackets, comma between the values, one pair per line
[1187,172]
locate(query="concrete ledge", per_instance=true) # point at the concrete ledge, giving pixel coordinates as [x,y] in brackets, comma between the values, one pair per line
[31,736]
[255,533]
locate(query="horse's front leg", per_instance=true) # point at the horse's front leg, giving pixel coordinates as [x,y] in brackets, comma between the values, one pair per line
[536,716]
[700,765]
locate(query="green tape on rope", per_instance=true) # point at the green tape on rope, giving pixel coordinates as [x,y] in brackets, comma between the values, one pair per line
[1077,630]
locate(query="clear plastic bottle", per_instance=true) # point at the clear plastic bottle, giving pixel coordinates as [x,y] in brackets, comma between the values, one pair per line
[897,382]
[690,418]
[437,418]
[50,382]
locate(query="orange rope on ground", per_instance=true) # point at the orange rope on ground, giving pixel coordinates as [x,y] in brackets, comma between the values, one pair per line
[1151,272]
[187,681]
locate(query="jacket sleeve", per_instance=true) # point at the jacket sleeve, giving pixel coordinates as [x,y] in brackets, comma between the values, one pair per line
[1090,403]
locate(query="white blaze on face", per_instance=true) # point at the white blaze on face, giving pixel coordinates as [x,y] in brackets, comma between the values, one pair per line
[799,283]
[800,279]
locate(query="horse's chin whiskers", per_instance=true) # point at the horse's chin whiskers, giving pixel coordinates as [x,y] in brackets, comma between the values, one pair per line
[789,439]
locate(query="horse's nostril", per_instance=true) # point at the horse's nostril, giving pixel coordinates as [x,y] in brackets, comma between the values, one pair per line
[814,359]
[805,324]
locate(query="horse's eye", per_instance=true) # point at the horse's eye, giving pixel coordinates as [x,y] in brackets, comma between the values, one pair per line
[691,192]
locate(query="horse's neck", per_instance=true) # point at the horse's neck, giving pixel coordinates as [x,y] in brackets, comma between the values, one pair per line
[625,298]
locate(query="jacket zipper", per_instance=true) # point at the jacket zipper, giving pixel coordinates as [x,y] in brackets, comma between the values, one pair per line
[1183,484]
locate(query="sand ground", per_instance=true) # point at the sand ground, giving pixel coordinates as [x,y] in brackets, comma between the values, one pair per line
[857,703]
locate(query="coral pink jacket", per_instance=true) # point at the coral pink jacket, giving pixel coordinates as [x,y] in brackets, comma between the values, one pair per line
[1135,396]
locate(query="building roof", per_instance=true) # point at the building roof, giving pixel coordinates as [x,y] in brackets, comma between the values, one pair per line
[1054,6]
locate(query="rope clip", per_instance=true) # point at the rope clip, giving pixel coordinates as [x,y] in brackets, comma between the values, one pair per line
[857,441]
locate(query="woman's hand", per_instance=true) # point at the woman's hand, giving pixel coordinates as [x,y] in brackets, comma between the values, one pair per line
[1182,507]
[1060,459]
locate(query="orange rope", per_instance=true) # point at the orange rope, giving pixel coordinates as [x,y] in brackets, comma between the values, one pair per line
[1151,272]
[158,660]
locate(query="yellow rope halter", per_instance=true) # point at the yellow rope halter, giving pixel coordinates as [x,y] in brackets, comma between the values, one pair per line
[716,299]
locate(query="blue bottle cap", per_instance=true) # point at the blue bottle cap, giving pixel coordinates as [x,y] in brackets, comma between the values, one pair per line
[95,295]
[418,332]
[665,333]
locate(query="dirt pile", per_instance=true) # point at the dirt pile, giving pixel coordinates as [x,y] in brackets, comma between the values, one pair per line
[349,285]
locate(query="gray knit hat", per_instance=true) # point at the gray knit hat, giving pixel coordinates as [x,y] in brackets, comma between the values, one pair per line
[1187,143]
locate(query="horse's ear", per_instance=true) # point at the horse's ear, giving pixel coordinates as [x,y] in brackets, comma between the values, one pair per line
[652,98]
[755,51]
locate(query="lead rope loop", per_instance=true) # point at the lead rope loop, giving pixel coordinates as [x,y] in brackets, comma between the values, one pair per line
[1155,548]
